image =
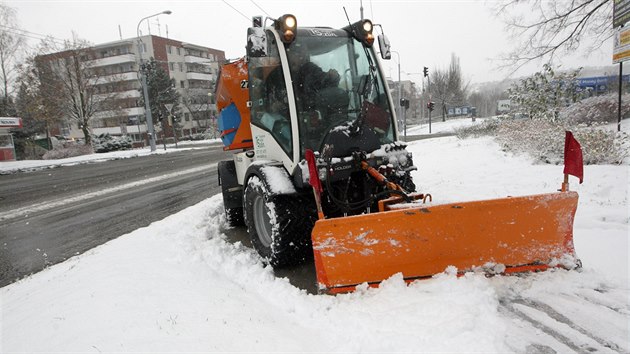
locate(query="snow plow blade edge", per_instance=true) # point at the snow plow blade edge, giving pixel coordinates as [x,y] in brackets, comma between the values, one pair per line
[521,233]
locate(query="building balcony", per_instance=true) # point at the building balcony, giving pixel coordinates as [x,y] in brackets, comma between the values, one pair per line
[108,79]
[118,95]
[124,130]
[134,111]
[117,59]
[199,76]
[194,59]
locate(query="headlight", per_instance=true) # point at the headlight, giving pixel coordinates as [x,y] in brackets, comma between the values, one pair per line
[287,26]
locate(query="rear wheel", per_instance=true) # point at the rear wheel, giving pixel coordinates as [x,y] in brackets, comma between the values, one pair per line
[279,226]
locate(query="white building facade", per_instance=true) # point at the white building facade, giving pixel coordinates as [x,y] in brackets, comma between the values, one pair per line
[193,68]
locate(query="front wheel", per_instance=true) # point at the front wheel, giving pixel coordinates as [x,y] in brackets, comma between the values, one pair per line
[279,226]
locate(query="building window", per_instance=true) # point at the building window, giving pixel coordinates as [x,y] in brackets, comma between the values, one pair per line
[179,51]
[182,84]
[168,49]
[171,66]
[181,67]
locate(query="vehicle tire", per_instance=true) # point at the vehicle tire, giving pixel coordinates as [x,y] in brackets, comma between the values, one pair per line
[279,226]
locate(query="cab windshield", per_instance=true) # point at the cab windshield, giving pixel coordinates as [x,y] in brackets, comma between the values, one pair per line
[337,84]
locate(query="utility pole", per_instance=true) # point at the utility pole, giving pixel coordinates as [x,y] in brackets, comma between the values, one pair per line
[425,71]
[145,90]
[361,2]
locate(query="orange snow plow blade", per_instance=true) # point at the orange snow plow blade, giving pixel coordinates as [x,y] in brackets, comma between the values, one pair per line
[520,233]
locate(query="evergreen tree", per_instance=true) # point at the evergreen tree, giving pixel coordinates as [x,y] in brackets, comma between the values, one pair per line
[162,92]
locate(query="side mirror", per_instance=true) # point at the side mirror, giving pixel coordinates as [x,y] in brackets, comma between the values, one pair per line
[385,47]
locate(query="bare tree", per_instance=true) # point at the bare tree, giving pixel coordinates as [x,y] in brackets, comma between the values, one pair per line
[448,87]
[69,83]
[456,86]
[438,86]
[197,102]
[544,29]
[10,45]
[36,105]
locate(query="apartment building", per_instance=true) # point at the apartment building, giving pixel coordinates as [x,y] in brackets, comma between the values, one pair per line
[194,69]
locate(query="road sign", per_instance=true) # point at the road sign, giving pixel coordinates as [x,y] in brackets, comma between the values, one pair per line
[621,12]
[621,42]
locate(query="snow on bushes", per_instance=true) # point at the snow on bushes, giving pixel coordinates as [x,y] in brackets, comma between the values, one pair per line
[487,127]
[68,150]
[544,140]
[106,143]
[597,109]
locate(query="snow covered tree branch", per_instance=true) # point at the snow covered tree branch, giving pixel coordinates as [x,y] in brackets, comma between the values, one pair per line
[550,28]
[10,44]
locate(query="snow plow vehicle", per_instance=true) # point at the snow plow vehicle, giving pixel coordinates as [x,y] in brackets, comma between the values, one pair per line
[318,170]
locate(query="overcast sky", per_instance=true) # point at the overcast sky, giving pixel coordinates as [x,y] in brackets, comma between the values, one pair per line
[424,33]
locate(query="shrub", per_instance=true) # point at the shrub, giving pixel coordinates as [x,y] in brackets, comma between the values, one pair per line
[106,142]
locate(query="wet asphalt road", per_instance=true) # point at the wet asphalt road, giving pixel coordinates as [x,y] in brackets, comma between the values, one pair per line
[50,215]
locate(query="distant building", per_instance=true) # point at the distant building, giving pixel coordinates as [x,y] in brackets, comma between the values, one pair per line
[193,68]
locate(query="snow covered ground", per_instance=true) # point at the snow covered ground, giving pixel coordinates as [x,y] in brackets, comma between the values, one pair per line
[179,285]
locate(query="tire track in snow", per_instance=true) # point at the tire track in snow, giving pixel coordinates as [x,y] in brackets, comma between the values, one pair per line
[622,310]
[508,305]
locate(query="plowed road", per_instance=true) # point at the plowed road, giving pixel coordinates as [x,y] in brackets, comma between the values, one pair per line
[50,215]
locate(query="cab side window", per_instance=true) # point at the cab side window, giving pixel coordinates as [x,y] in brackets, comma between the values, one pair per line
[268,93]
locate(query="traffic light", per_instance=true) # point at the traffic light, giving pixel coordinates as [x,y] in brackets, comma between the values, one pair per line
[404,102]
[425,71]
[430,106]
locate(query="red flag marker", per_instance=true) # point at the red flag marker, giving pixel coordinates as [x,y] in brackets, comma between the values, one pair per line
[314,181]
[573,161]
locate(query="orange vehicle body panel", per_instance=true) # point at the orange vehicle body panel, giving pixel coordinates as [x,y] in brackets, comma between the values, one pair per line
[232,88]
[522,233]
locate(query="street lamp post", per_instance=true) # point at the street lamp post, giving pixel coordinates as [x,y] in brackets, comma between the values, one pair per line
[145,90]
